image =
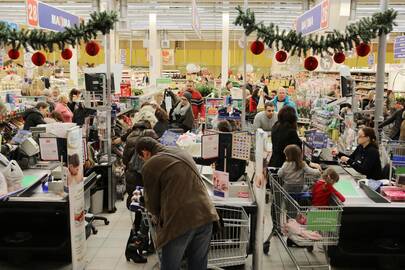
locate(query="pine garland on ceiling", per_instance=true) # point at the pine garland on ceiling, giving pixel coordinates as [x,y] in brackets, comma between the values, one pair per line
[39,39]
[364,30]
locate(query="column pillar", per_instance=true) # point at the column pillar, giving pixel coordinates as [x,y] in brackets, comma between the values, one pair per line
[154,51]
[225,48]
[73,67]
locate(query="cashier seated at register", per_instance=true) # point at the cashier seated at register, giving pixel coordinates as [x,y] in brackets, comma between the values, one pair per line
[366,158]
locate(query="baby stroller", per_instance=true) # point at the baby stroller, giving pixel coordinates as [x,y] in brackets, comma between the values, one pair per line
[139,241]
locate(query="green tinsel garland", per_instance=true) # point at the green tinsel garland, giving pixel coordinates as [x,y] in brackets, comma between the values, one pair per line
[364,30]
[39,39]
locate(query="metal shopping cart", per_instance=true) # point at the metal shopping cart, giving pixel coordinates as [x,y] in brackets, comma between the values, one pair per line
[296,221]
[395,150]
[229,247]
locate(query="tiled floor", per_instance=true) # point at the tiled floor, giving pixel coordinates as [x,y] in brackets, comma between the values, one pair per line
[105,250]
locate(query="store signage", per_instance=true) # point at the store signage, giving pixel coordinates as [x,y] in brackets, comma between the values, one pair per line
[167,57]
[196,24]
[10,25]
[399,47]
[123,56]
[314,19]
[48,17]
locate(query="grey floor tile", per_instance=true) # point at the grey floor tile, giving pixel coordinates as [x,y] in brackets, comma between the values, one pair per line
[103,263]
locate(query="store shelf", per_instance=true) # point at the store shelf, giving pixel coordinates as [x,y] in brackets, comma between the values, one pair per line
[368,81]
[125,112]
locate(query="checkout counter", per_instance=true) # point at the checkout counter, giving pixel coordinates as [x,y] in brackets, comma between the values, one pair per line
[248,203]
[372,229]
[35,223]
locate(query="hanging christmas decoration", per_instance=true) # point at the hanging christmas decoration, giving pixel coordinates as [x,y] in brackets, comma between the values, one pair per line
[363,49]
[13,54]
[281,56]
[38,59]
[311,63]
[44,40]
[257,47]
[339,57]
[67,54]
[92,48]
[293,42]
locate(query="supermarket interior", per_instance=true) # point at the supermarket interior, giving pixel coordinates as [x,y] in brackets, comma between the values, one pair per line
[202,134]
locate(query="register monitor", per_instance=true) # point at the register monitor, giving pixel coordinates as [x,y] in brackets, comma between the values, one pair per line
[307,151]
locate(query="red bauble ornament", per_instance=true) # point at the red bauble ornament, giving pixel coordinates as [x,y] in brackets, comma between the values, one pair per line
[66,54]
[363,49]
[92,48]
[281,56]
[257,47]
[13,54]
[38,59]
[339,57]
[311,63]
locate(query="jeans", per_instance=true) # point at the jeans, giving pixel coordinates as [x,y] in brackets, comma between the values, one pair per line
[194,244]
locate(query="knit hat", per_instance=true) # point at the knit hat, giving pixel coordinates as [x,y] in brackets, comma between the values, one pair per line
[187,95]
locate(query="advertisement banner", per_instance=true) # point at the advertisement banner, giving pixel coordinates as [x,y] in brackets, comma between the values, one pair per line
[74,174]
[221,185]
[314,19]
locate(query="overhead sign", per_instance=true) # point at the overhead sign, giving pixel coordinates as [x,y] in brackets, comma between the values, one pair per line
[48,17]
[196,24]
[314,19]
[399,47]
[10,25]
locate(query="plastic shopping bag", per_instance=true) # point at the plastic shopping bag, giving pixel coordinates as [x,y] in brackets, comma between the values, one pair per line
[260,104]
[3,185]
[13,175]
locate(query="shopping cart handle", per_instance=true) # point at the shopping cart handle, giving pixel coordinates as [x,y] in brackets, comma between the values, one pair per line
[272,169]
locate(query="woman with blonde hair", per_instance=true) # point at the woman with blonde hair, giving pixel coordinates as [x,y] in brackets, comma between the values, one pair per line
[62,108]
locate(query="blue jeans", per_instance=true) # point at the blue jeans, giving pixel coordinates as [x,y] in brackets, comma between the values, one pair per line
[194,244]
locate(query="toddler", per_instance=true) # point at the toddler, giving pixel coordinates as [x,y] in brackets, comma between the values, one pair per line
[293,170]
[323,189]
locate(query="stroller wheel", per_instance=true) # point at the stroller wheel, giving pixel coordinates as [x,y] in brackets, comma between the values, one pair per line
[266,247]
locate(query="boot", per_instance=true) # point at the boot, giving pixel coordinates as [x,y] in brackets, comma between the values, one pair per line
[131,253]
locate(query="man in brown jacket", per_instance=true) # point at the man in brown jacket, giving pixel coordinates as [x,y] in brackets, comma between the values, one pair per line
[177,197]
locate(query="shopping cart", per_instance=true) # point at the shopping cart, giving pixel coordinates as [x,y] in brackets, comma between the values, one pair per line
[296,222]
[229,247]
[395,151]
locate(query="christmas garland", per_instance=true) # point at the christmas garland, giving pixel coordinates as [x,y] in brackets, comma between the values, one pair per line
[362,31]
[39,39]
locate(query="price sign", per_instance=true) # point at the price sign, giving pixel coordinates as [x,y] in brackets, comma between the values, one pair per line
[32,13]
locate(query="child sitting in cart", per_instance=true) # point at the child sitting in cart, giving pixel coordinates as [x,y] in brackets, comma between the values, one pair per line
[323,189]
[294,169]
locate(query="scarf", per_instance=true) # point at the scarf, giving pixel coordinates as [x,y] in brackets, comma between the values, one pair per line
[180,111]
